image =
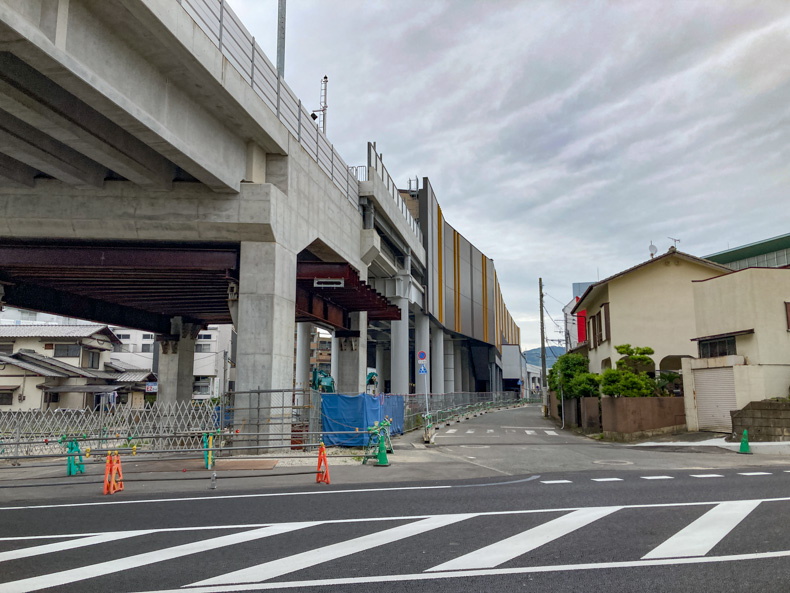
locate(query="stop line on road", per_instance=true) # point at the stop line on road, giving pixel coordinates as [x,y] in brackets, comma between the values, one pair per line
[692,543]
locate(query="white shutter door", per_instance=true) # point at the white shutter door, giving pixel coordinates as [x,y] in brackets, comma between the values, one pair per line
[715,398]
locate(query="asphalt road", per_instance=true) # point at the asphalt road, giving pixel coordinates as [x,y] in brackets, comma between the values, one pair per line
[700,521]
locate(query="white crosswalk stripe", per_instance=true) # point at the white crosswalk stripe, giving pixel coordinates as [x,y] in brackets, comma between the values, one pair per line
[550,433]
[451,430]
[698,538]
[513,547]
[530,432]
[276,568]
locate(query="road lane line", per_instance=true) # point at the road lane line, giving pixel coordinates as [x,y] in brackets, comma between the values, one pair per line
[276,568]
[526,541]
[82,573]
[70,544]
[556,482]
[707,476]
[657,477]
[699,538]
[755,473]
[399,578]
[607,479]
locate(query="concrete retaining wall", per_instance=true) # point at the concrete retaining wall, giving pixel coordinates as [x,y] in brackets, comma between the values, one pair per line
[765,421]
[590,414]
[630,418]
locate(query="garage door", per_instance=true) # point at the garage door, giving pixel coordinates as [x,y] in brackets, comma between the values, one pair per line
[715,398]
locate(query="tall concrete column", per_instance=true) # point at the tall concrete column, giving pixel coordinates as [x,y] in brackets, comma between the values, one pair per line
[380,367]
[333,358]
[399,349]
[176,365]
[437,360]
[422,341]
[459,367]
[353,357]
[265,329]
[449,365]
[303,352]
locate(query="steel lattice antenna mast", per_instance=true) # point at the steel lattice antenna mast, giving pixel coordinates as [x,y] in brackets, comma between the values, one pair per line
[321,111]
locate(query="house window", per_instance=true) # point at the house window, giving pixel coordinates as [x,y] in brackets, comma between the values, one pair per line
[202,347]
[201,385]
[93,359]
[117,348]
[148,336]
[720,347]
[6,348]
[123,336]
[6,398]
[147,348]
[67,350]
[787,313]
[51,398]
[204,336]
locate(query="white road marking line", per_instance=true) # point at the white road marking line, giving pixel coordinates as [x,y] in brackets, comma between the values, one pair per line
[463,574]
[755,473]
[276,568]
[490,430]
[532,432]
[607,479]
[519,544]
[82,573]
[556,482]
[657,477]
[707,476]
[470,431]
[550,432]
[68,545]
[451,430]
[699,537]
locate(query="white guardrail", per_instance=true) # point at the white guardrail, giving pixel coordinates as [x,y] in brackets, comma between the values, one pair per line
[218,21]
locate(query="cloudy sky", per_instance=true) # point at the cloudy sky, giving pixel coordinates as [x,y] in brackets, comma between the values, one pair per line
[561,137]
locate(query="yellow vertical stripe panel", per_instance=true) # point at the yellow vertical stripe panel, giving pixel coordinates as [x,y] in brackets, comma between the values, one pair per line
[485,299]
[440,261]
[457,278]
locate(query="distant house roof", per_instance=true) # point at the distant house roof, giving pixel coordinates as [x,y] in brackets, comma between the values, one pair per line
[56,331]
[751,250]
[671,252]
[33,368]
[58,364]
[119,365]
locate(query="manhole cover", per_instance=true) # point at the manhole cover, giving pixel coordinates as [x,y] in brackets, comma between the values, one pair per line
[613,462]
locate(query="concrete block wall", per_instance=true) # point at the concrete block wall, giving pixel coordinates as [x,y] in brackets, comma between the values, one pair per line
[765,421]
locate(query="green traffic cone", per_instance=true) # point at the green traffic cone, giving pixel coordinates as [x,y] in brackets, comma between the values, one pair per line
[382,457]
[745,443]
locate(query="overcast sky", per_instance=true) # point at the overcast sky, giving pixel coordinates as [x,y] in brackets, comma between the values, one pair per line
[560,137]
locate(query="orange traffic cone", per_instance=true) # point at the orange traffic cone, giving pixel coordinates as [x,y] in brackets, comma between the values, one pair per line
[113,474]
[322,475]
[107,472]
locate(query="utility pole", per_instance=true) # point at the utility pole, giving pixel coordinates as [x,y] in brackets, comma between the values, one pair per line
[543,383]
[281,39]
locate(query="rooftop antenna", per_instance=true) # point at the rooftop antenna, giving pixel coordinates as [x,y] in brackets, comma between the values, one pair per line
[653,250]
[675,240]
[321,111]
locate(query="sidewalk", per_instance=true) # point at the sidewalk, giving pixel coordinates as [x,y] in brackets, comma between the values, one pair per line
[712,439]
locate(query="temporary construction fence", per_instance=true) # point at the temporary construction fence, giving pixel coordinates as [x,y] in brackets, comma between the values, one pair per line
[249,423]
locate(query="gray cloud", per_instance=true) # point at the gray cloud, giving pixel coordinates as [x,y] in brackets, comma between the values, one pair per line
[560,137]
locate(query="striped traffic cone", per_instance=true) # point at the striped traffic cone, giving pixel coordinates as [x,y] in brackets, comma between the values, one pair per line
[322,475]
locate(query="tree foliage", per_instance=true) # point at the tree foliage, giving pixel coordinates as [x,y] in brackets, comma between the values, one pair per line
[569,378]
[630,379]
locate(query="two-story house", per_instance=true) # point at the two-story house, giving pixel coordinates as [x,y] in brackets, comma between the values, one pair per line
[650,304]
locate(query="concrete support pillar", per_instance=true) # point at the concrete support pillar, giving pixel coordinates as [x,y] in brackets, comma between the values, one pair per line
[352,359]
[449,365]
[333,354]
[176,366]
[399,350]
[437,360]
[380,358]
[303,352]
[265,346]
[459,367]
[422,341]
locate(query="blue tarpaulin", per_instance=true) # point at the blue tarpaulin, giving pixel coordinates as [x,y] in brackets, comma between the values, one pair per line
[350,412]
